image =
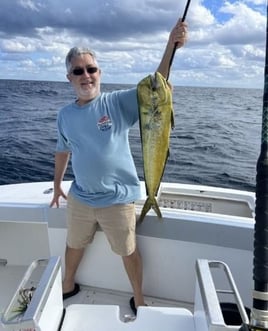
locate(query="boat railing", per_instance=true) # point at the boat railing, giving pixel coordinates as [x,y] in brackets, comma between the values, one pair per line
[208,305]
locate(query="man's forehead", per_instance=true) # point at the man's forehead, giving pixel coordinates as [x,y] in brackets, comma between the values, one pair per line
[82,58]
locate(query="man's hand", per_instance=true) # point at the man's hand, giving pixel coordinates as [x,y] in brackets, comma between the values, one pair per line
[178,35]
[57,194]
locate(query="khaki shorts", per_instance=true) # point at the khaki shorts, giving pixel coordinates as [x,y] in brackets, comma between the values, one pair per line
[118,222]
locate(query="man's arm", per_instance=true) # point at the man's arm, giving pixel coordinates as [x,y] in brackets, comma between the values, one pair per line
[177,35]
[61,162]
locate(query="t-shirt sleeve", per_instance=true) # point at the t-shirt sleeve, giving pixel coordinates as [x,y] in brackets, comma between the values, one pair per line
[129,104]
[62,142]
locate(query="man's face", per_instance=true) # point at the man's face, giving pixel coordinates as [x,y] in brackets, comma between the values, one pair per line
[85,78]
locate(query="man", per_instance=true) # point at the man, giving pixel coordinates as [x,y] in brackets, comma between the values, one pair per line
[94,130]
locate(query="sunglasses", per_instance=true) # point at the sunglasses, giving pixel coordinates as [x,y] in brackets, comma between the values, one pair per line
[80,71]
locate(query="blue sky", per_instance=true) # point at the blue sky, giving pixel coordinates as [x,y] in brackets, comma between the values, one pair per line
[226,45]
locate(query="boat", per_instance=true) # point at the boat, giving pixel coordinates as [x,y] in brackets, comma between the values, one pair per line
[198,260]
[199,255]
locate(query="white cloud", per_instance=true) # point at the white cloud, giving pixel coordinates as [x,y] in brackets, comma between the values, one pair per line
[256,2]
[29,4]
[17,45]
[226,40]
[245,25]
[200,16]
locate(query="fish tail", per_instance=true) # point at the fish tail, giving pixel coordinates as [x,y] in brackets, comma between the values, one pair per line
[156,209]
[150,203]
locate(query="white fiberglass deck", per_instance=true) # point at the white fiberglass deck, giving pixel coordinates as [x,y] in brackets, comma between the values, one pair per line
[116,302]
[148,319]
[10,277]
[107,310]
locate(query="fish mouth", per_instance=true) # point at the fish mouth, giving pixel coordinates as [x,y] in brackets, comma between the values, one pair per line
[154,82]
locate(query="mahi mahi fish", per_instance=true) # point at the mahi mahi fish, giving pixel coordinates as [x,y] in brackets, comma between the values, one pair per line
[156,121]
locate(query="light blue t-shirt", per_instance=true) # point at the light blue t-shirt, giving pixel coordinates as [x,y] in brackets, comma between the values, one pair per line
[96,134]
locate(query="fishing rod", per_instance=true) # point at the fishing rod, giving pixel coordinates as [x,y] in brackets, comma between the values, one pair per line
[176,44]
[259,312]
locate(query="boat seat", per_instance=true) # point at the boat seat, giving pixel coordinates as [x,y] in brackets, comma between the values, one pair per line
[106,317]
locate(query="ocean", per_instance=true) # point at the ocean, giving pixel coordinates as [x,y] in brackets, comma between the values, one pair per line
[216,139]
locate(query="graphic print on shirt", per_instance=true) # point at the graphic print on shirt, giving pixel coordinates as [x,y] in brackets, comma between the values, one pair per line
[104,123]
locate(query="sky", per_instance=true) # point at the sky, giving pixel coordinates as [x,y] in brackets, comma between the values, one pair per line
[225,47]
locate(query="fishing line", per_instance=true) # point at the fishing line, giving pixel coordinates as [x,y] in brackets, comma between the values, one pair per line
[176,44]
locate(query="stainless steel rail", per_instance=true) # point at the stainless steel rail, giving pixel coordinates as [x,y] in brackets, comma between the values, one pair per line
[209,293]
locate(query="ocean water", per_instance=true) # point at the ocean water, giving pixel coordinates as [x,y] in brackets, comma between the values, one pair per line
[216,140]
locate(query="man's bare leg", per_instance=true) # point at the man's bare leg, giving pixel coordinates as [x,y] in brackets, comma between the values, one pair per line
[73,258]
[133,266]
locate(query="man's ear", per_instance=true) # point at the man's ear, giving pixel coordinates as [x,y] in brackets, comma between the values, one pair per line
[68,76]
